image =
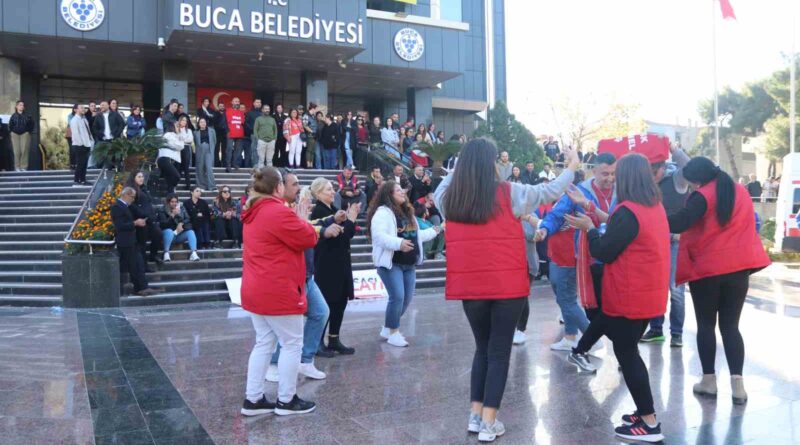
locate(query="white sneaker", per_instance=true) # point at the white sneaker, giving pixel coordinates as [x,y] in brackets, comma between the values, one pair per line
[519,337]
[564,344]
[310,371]
[272,373]
[489,433]
[398,340]
[167,259]
[385,333]
[194,257]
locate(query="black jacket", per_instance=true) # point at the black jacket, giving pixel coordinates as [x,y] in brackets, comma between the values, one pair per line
[343,130]
[279,120]
[333,269]
[142,207]
[167,221]
[220,123]
[199,213]
[371,188]
[210,114]
[250,121]
[20,123]
[124,230]
[115,121]
[329,136]
[418,189]
[529,177]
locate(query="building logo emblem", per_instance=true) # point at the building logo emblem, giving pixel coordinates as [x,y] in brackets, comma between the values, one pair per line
[83,15]
[409,45]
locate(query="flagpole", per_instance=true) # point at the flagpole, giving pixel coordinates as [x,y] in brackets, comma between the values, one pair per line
[793,84]
[716,93]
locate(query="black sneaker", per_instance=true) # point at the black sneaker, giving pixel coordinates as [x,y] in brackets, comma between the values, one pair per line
[296,406]
[581,360]
[676,340]
[631,419]
[263,406]
[652,336]
[640,432]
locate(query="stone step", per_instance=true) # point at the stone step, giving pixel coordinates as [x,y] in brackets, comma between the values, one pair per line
[5,190]
[19,185]
[12,288]
[25,245]
[30,265]
[32,255]
[61,227]
[35,195]
[48,178]
[29,276]
[30,300]
[42,210]
[6,218]
[24,237]
[42,173]
[51,201]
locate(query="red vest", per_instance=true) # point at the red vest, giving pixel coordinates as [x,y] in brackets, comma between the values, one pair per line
[635,285]
[707,250]
[235,123]
[487,261]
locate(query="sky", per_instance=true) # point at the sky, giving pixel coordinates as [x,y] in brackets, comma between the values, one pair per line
[654,53]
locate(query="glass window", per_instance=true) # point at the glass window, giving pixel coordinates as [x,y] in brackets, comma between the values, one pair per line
[386,5]
[451,10]
[796,203]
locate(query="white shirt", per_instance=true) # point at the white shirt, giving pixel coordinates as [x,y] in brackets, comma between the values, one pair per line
[173,147]
[547,175]
[106,127]
[385,241]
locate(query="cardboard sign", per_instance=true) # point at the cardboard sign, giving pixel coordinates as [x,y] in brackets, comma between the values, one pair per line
[368,285]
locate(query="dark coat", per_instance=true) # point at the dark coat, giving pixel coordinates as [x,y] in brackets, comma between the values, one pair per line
[418,189]
[115,121]
[124,230]
[329,136]
[142,207]
[333,269]
[193,210]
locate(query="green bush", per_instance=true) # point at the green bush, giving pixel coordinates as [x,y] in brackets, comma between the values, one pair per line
[768,230]
[56,147]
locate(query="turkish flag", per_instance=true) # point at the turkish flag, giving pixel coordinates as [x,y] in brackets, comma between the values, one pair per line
[653,146]
[224,95]
[727,9]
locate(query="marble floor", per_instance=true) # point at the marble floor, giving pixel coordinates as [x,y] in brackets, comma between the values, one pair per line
[176,375]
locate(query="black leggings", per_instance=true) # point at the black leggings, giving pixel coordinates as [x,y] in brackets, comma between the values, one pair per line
[625,334]
[170,173]
[720,296]
[522,324]
[337,315]
[597,327]
[493,323]
[186,162]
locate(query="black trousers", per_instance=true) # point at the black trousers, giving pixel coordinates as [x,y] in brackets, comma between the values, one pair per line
[186,163]
[336,317]
[522,324]
[493,323]
[151,232]
[597,327]
[228,229]
[720,297]
[131,261]
[169,171]
[221,148]
[625,334]
[81,161]
[71,152]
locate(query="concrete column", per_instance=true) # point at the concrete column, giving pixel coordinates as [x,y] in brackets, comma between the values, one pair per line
[420,104]
[10,84]
[315,89]
[175,81]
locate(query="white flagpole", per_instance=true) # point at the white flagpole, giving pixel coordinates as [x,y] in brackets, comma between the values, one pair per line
[716,93]
[793,84]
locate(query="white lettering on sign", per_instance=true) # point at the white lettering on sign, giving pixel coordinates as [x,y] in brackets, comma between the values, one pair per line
[272,24]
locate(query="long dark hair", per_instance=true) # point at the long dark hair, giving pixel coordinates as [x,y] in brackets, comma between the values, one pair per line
[635,181]
[383,197]
[471,196]
[701,170]
[222,203]
[131,182]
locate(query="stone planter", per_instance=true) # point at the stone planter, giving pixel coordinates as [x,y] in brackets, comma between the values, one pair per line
[91,281]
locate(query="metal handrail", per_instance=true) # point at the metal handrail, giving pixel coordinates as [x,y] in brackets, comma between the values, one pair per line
[68,239]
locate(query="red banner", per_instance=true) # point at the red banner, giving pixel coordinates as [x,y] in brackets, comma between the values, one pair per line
[224,95]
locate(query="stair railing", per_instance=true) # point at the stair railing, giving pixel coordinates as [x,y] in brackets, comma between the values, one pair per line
[103,183]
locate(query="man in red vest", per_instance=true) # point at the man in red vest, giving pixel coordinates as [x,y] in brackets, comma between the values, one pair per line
[235,117]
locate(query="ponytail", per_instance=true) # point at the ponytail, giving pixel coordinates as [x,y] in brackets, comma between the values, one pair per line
[702,171]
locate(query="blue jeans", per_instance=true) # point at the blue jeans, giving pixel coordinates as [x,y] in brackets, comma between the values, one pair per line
[187,236]
[251,152]
[330,160]
[348,156]
[316,317]
[677,299]
[399,281]
[563,281]
[318,155]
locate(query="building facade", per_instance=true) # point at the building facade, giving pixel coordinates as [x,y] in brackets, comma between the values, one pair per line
[436,60]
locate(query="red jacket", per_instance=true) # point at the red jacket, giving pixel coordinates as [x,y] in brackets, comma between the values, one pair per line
[274,271]
[707,250]
[235,123]
[487,261]
[635,285]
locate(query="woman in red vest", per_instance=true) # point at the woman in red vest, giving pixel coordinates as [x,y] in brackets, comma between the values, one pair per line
[635,251]
[719,250]
[487,267]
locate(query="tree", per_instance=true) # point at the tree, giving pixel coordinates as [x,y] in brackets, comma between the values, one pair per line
[777,144]
[585,124]
[510,135]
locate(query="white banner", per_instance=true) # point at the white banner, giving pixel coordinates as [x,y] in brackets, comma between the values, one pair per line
[368,285]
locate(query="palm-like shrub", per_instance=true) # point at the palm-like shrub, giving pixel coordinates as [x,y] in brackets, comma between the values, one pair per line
[126,154]
[438,153]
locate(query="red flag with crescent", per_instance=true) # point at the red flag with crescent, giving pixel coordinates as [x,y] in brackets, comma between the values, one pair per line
[224,95]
